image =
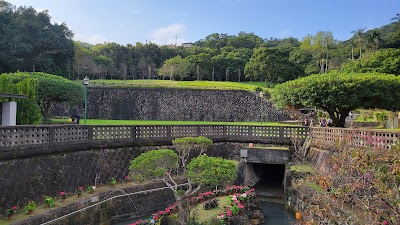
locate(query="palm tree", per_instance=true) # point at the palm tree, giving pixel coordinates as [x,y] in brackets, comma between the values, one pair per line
[374,39]
[359,35]
[396,18]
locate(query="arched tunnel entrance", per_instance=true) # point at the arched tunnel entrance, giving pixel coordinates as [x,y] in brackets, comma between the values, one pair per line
[270,180]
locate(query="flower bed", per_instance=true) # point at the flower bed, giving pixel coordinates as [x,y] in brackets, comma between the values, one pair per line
[240,197]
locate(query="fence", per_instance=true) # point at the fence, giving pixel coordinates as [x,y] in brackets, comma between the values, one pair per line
[355,137]
[56,135]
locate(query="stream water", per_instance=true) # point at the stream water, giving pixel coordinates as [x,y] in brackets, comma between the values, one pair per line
[274,213]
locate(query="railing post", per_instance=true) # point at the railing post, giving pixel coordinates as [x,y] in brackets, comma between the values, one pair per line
[51,136]
[250,131]
[281,138]
[90,132]
[225,131]
[133,132]
[198,130]
[169,132]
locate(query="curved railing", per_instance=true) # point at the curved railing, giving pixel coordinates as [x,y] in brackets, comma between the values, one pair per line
[56,135]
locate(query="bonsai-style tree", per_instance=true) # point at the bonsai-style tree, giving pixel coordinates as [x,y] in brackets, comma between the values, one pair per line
[201,171]
[184,146]
[338,94]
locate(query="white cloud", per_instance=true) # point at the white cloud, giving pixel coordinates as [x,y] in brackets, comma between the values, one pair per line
[135,11]
[94,39]
[169,35]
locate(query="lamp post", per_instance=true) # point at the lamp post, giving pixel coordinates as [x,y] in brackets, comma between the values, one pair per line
[261,106]
[86,83]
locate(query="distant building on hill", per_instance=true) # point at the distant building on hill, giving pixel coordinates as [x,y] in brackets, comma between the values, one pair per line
[187,45]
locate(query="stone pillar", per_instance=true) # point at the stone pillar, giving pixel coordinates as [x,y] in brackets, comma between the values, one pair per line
[9,114]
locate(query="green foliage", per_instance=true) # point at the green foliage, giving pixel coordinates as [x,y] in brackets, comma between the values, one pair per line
[113,181]
[30,42]
[49,89]
[49,201]
[211,171]
[153,164]
[186,144]
[271,65]
[381,117]
[30,206]
[176,67]
[381,61]
[338,94]
[28,110]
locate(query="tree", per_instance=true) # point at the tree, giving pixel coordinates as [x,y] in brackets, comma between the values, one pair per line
[359,36]
[272,65]
[176,67]
[28,110]
[202,171]
[51,89]
[186,145]
[338,94]
[381,61]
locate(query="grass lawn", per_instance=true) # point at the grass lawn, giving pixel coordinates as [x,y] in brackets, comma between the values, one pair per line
[161,122]
[361,119]
[205,215]
[213,85]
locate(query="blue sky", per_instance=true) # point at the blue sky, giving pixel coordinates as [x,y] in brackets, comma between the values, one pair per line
[160,21]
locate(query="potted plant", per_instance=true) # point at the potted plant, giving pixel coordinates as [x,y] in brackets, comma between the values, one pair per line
[49,201]
[91,189]
[80,191]
[63,196]
[113,182]
[30,207]
[11,211]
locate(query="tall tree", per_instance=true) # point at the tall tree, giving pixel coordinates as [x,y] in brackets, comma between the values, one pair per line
[360,40]
[338,94]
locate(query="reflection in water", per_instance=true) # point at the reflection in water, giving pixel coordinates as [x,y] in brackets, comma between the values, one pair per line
[274,213]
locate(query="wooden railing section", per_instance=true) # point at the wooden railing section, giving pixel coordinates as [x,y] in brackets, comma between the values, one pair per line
[56,135]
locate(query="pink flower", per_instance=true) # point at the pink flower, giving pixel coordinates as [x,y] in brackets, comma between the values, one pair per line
[167,210]
[240,206]
[229,213]
[385,222]
[80,188]
[155,217]
[126,178]
[62,193]
[14,207]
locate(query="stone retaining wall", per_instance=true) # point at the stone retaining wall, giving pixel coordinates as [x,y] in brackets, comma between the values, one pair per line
[31,178]
[92,211]
[173,104]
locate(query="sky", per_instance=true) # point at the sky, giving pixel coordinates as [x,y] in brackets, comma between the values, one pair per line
[179,21]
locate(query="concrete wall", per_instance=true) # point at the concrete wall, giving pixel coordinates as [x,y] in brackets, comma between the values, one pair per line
[173,104]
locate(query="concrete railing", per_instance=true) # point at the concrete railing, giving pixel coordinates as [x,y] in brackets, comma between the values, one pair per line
[16,137]
[328,137]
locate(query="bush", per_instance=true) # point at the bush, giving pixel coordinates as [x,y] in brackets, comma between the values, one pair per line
[381,117]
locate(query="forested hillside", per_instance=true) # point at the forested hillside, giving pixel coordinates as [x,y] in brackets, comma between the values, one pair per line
[30,42]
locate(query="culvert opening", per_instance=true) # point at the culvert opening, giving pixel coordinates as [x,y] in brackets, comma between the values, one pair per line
[270,184]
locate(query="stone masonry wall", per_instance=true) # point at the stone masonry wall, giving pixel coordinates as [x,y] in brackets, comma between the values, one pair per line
[174,104]
[25,179]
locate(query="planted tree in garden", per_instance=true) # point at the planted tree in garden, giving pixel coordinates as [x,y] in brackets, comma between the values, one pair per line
[186,145]
[51,89]
[338,94]
[201,171]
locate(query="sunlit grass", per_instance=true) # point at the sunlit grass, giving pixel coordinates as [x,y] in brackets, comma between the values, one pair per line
[205,215]
[162,122]
[213,85]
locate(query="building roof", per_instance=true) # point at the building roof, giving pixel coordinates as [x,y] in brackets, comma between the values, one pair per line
[5,95]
